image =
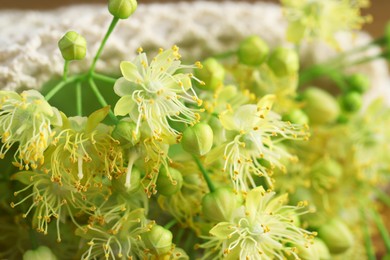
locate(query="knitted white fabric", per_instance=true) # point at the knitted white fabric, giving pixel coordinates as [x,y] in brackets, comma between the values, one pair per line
[28,40]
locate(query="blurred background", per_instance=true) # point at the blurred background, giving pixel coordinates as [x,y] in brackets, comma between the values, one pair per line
[380,9]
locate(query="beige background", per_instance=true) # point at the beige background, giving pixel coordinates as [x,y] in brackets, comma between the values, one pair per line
[380,9]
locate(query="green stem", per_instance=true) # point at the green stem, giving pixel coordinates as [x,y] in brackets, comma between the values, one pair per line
[383,197]
[103,43]
[382,229]
[60,85]
[79,99]
[104,78]
[66,70]
[101,99]
[170,224]
[363,60]
[367,239]
[205,174]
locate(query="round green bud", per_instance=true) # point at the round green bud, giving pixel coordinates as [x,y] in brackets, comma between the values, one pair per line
[125,132]
[252,51]
[320,106]
[73,46]
[296,116]
[336,235]
[326,173]
[169,181]
[158,240]
[219,205]
[306,253]
[321,248]
[119,184]
[283,62]
[358,82]
[122,9]
[198,139]
[212,74]
[41,252]
[351,101]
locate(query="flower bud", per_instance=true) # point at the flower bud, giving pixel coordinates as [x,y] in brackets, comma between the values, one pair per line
[198,139]
[122,9]
[125,132]
[283,61]
[41,252]
[135,180]
[358,82]
[320,107]
[158,239]
[336,236]
[169,181]
[73,46]
[296,116]
[212,74]
[219,205]
[351,101]
[252,51]
[321,248]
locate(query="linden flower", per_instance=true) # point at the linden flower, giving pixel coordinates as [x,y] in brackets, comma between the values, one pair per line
[255,132]
[85,148]
[309,19]
[25,119]
[154,92]
[263,228]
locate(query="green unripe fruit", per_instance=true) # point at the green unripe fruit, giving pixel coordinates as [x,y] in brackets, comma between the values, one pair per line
[336,235]
[169,181]
[283,62]
[296,116]
[122,9]
[121,185]
[219,205]
[351,101]
[41,252]
[198,139]
[73,46]
[252,51]
[320,106]
[158,239]
[358,82]
[212,74]
[125,132]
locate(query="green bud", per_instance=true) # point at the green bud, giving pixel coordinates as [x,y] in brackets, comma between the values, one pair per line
[73,46]
[198,139]
[252,51]
[296,116]
[320,106]
[306,253]
[219,205]
[283,61]
[322,249]
[351,101]
[122,9]
[336,236]
[358,82]
[169,181]
[125,133]
[212,74]
[158,239]
[41,252]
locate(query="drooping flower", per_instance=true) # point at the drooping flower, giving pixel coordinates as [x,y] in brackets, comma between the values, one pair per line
[26,120]
[320,19]
[156,94]
[263,228]
[254,132]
